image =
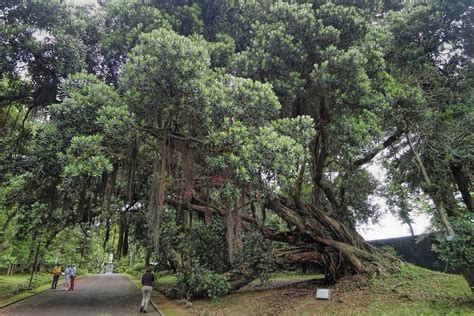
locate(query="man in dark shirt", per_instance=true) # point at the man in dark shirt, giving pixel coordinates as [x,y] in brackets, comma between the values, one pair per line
[147,287]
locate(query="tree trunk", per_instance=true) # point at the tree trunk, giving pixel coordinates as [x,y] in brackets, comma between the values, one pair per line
[125,240]
[120,236]
[331,243]
[318,238]
[412,232]
[229,236]
[158,194]
[464,184]
[147,258]
[233,235]
[10,269]
[107,234]
[438,204]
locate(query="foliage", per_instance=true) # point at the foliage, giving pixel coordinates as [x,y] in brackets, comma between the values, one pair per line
[15,284]
[208,244]
[227,108]
[122,265]
[136,270]
[416,291]
[258,254]
[458,253]
[203,282]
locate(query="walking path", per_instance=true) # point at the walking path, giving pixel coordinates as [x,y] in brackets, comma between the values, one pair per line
[100,294]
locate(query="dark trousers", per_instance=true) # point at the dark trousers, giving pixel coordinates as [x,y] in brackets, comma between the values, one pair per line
[55,282]
[71,288]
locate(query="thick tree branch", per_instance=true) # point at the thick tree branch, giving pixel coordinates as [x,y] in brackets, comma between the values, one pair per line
[367,158]
[463,183]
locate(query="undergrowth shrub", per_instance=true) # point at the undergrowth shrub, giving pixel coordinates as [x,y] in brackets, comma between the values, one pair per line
[81,271]
[121,265]
[137,270]
[202,282]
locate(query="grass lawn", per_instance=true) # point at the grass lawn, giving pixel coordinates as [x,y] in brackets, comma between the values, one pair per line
[167,280]
[13,279]
[8,283]
[13,284]
[282,278]
[411,291]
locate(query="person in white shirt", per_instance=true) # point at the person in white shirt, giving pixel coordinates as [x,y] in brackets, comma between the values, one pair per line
[67,278]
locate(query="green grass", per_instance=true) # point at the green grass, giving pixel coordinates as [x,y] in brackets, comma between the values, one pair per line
[171,279]
[15,287]
[13,284]
[418,291]
[167,280]
[290,276]
[410,291]
[10,283]
[8,280]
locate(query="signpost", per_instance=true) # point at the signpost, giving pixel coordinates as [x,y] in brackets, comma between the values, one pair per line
[323,294]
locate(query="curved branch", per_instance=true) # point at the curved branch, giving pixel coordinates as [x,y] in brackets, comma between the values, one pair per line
[368,158]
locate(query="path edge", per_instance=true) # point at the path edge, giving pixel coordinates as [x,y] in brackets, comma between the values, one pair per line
[131,278]
[16,300]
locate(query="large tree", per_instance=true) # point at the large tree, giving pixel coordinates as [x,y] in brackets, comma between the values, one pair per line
[239,110]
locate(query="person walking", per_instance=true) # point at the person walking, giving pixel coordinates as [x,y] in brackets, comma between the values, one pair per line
[56,274]
[147,287]
[73,277]
[67,278]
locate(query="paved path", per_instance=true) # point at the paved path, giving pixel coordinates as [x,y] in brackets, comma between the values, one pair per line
[101,294]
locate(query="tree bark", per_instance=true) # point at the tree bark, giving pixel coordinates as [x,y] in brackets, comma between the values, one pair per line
[438,204]
[107,234]
[125,240]
[410,226]
[317,238]
[147,258]
[464,184]
[158,194]
[120,236]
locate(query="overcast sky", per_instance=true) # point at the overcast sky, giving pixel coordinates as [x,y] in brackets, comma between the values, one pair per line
[389,226]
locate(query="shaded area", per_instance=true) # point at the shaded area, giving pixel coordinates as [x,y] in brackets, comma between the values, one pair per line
[93,295]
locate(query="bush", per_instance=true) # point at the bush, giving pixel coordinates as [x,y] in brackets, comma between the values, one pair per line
[81,271]
[203,283]
[257,253]
[121,265]
[136,270]
[40,279]
[458,253]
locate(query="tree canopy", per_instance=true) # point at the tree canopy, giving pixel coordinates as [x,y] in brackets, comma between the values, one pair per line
[231,136]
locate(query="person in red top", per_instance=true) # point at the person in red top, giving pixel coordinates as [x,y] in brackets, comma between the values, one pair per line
[73,276]
[147,287]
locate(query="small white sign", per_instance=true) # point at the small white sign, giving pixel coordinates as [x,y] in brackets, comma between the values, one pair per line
[323,294]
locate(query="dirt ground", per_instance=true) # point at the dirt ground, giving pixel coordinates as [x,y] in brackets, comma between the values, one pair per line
[353,297]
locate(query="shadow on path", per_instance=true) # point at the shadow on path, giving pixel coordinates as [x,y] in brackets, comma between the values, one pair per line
[100,294]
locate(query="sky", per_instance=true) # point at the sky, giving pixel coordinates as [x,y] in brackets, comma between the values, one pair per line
[388,226]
